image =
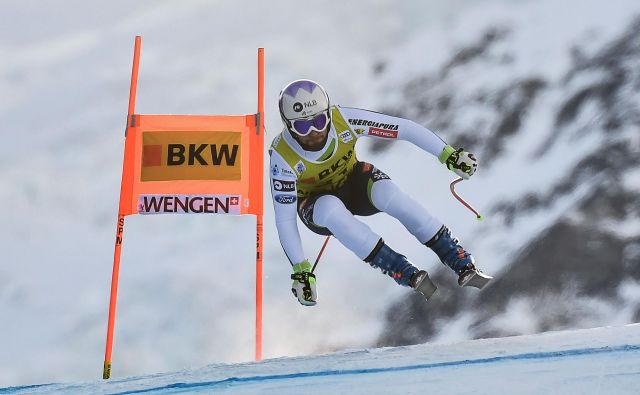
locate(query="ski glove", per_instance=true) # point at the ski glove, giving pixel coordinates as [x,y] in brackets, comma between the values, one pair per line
[459,161]
[304,283]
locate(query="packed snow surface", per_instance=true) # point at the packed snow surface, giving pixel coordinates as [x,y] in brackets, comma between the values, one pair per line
[589,361]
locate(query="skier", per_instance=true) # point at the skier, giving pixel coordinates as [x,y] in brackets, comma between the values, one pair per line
[314,169]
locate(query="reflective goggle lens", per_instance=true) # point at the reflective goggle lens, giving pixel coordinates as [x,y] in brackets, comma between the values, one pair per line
[304,126]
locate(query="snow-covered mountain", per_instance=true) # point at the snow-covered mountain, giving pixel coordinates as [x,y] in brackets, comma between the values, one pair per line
[545,93]
[556,121]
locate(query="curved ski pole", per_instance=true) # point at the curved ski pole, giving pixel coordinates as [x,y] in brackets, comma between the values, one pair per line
[479,217]
[320,253]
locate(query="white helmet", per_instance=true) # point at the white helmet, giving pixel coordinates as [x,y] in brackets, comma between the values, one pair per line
[304,107]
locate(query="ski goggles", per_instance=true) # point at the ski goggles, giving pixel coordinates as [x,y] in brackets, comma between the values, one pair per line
[304,126]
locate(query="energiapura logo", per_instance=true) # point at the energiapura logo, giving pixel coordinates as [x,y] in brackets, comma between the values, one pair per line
[170,156]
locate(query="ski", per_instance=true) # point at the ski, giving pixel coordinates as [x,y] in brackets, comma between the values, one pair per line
[424,285]
[474,278]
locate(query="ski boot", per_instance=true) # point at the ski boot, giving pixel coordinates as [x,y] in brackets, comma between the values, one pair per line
[460,261]
[398,267]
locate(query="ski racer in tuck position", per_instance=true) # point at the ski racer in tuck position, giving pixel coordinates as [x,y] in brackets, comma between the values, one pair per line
[316,175]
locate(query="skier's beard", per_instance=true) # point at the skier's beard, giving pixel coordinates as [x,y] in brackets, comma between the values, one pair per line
[315,141]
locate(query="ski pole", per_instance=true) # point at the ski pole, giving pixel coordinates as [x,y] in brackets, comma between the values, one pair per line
[479,217]
[320,253]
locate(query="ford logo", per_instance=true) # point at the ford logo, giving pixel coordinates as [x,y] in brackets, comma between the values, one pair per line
[285,199]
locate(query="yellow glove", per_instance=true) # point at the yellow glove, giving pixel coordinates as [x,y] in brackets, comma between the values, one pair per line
[459,161]
[304,283]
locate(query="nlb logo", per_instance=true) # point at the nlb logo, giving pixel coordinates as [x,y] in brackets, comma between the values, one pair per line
[170,156]
[283,185]
[189,204]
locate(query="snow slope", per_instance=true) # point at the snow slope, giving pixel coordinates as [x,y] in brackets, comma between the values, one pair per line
[591,361]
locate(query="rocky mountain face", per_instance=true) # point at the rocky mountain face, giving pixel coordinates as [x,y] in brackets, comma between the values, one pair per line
[583,268]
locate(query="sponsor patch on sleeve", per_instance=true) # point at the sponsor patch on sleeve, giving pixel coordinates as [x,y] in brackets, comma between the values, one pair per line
[284,185]
[384,133]
[281,171]
[285,199]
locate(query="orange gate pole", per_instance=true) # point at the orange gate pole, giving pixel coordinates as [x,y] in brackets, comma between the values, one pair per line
[125,193]
[257,149]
